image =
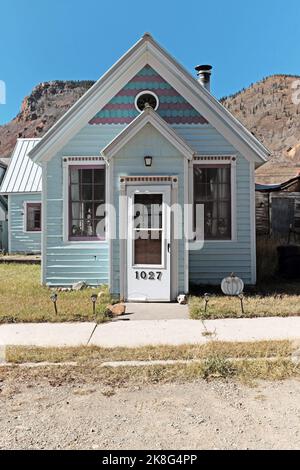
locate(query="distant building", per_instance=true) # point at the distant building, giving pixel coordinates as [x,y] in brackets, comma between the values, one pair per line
[22,185]
[278,209]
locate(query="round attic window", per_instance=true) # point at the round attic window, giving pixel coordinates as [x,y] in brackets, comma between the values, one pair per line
[144,98]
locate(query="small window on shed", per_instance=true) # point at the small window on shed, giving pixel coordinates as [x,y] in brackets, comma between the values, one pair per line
[33,217]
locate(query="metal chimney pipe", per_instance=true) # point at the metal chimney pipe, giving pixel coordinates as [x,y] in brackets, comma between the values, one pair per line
[204,73]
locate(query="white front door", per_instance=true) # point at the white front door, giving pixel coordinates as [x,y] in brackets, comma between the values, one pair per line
[148,245]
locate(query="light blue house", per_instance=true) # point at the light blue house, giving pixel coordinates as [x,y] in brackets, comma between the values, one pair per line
[142,168]
[22,184]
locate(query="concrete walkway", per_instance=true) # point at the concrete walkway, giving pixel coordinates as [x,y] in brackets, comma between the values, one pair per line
[149,332]
[155,311]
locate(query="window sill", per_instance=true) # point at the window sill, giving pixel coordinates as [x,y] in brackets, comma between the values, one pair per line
[85,242]
[231,240]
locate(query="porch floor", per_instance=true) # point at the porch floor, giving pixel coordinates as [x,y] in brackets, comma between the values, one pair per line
[155,311]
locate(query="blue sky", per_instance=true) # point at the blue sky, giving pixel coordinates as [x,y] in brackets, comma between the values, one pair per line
[43,40]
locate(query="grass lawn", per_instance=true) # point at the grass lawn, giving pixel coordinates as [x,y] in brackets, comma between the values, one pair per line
[275,298]
[23,299]
[239,350]
[244,361]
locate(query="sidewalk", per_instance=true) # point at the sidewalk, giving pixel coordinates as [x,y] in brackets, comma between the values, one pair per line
[149,332]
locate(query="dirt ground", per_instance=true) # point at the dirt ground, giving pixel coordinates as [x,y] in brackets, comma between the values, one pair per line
[217,414]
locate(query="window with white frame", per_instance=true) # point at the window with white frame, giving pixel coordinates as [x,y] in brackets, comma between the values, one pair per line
[213,190]
[33,216]
[86,202]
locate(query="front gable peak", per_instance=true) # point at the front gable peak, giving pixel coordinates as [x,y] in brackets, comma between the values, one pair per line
[148,116]
[147,52]
[171,106]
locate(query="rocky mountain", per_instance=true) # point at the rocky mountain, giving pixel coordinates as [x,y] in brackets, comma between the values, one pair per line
[266,108]
[40,110]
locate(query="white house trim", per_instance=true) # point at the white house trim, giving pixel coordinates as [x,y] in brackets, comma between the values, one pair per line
[44,225]
[148,116]
[9,222]
[147,51]
[82,161]
[187,223]
[215,160]
[253,224]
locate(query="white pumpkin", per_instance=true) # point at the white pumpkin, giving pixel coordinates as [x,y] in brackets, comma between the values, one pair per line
[232,285]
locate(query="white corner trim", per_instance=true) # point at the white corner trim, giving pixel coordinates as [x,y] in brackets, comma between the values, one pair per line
[44,224]
[148,116]
[9,222]
[109,188]
[233,188]
[253,224]
[187,223]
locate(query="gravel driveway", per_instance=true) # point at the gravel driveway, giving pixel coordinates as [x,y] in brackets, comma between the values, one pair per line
[199,415]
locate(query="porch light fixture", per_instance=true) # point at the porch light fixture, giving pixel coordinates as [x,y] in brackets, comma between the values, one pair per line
[148,161]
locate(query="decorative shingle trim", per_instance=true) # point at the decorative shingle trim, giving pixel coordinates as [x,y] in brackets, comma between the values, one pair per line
[147,180]
[83,159]
[213,158]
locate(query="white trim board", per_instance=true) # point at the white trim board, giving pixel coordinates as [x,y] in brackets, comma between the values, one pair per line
[215,160]
[71,161]
[148,52]
[253,224]
[148,116]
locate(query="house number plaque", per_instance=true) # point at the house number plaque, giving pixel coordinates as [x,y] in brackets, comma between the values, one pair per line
[151,275]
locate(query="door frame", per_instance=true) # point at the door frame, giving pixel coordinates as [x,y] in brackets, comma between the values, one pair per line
[143,181]
[165,249]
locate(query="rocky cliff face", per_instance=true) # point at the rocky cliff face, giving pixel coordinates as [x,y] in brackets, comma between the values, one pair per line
[266,108]
[40,110]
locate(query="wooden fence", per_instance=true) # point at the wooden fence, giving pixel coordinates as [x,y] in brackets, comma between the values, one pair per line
[278,214]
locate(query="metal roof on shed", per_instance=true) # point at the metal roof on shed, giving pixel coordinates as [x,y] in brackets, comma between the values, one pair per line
[22,175]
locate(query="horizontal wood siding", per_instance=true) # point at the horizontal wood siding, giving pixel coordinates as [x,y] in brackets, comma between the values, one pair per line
[218,259]
[67,263]
[19,240]
[130,161]
[76,261]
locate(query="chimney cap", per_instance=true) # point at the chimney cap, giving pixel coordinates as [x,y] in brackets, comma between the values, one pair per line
[203,68]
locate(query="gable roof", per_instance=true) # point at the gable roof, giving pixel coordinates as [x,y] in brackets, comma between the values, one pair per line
[22,175]
[269,188]
[148,52]
[148,116]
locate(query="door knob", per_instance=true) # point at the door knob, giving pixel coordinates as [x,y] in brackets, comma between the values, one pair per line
[169,247]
